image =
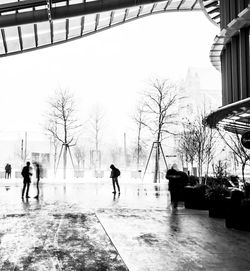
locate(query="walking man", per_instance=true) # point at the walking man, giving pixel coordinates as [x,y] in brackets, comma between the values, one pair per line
[38,174]
[26,179]
[115,172]
[9,171]
[6,171]
[173,186]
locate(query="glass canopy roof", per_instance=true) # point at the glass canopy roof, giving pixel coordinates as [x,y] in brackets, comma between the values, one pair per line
[232,117]
[32,24]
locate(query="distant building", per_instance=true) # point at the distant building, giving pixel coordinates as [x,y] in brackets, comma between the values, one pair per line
[198,92]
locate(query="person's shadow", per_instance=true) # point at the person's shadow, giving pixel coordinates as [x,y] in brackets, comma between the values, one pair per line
[116,197]
[26,204]
[174,222]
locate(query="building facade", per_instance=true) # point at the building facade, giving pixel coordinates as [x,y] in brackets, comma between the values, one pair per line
[230,54]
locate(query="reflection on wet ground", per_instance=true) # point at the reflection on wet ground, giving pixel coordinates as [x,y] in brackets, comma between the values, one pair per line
[86,227]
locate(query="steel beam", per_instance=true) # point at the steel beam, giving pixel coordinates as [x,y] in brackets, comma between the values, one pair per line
[81,9]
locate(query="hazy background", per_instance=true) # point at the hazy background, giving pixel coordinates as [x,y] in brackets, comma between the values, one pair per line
[110,69]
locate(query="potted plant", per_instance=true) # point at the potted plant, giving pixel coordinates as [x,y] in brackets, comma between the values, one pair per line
[195,197]
[238,214]
[218,197]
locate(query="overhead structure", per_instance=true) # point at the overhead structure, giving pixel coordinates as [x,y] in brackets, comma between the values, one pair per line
[212,9]
[27,25]
[34,24]
[230,54]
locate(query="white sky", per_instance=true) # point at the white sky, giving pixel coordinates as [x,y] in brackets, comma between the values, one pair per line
[109,68]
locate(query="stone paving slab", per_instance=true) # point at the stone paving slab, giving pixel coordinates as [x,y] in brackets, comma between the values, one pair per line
[176,240]
[85,227]
[42,241]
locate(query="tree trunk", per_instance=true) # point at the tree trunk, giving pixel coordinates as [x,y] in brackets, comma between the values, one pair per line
[55,160]
[192,167]
[64,162]
[156,163]
[138,146]
[243,173]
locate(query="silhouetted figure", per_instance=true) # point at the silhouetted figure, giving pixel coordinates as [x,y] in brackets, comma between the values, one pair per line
[7,171]
[38,174]
[177,181]
[115,172]
[26,179]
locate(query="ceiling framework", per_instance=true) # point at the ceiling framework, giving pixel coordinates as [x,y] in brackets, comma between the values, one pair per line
[33,24]
[235,116]
[212,9]
[226,35]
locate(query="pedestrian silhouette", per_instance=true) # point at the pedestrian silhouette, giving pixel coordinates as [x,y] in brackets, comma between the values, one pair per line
[38,174]
[7,171]
[26,179]
[115,172]
[177,182]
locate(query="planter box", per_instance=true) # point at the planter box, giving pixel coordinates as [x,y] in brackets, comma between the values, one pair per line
[99,173]
[194,198]
[218,208]
[79,173]
[238,214]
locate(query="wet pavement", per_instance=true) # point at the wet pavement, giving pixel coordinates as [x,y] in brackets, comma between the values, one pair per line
[83,226]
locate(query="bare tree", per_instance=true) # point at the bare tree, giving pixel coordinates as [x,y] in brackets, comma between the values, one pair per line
[96,122]
[203,143]
[233,141]
[186,146]
[198,143]
[79,153]
[140,120]
[62,112]
[115,153]
[160,101]
[54,141]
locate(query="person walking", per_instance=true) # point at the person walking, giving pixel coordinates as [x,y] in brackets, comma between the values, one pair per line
[9,171]
[115,173]
[6,171]
[26,179]
[174,185]
[38,174]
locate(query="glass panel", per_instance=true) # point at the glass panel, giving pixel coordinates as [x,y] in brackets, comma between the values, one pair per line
[197,5]
[160,6]
[60,4]
[118,16]
[25,10]
[41,7]
[7,1]
[188,4]
[133,12]
[43,30]
[8,13]
[1,45]
[174,4]
[12,39]
[59,29]
[28,36]
[73,2]
[146,9]
[89,25]
[75,27]
[104,19]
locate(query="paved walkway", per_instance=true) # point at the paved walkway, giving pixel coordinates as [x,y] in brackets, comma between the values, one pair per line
[84,227]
